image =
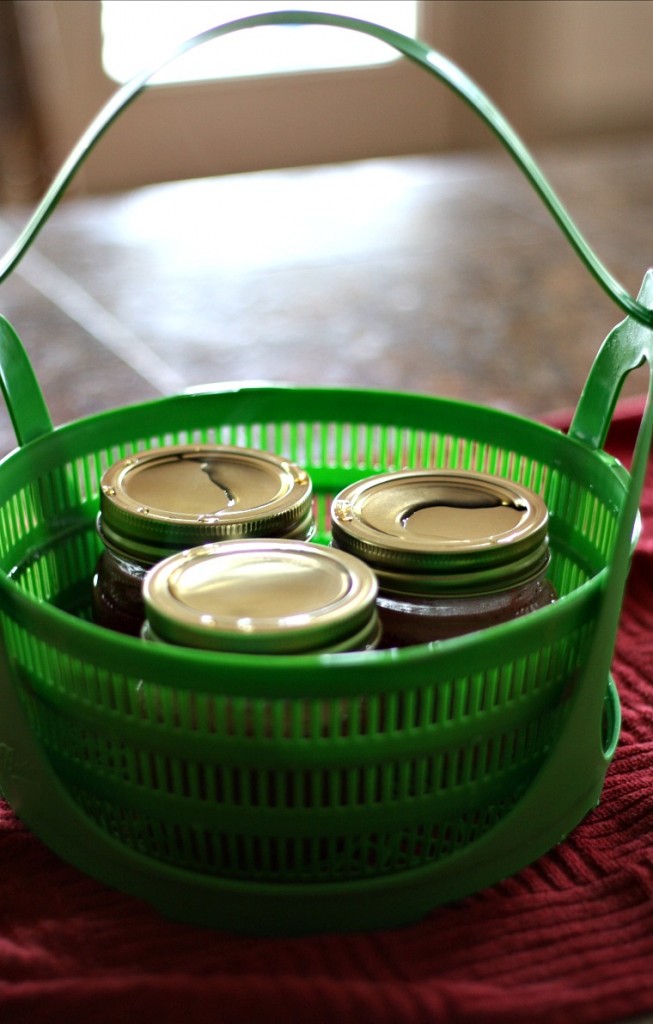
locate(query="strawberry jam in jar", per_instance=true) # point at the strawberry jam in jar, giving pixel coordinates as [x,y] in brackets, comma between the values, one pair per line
[262,596]
[157,502]
[454,551]
[267,599]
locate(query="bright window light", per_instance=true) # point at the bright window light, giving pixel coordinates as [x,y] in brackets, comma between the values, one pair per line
[137,33]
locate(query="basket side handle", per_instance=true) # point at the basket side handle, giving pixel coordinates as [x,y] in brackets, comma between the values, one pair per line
[25,403]
[421,54]
[628,346]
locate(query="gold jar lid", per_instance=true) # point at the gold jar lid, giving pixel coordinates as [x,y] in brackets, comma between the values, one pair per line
[166,499]
[443,530]
[261,596]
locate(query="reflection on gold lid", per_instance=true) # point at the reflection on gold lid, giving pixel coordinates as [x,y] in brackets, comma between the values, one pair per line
[443,522]
[261,596]
[169,498]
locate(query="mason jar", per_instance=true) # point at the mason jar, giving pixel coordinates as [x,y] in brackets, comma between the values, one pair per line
[262,596]
[454,551]
[160,501]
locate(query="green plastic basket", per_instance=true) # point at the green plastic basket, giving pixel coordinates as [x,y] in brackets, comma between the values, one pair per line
[325,792]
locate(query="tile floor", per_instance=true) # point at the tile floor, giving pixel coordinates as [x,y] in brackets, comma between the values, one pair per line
[444,275]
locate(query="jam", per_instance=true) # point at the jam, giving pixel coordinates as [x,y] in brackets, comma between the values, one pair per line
[267,597]
[453,551]
[262,596]
[160,501]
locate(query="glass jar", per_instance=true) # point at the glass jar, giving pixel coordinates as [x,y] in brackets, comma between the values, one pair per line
[454,551]
[160,501]
[262,596]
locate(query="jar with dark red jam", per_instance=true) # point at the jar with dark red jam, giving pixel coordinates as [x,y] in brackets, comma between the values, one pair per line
[266,598]
[262,596]
[454,551]
[158,502]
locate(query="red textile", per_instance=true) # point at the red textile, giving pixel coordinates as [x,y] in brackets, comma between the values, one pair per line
[570,939]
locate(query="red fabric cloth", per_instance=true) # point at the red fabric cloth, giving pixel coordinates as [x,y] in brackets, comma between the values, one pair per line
[569,939]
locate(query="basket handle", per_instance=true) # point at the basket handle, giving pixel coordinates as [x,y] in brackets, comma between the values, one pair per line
[628,346]
[432,61]
[24,399]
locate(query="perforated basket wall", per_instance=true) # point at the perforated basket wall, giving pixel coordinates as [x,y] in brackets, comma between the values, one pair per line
[297,769]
